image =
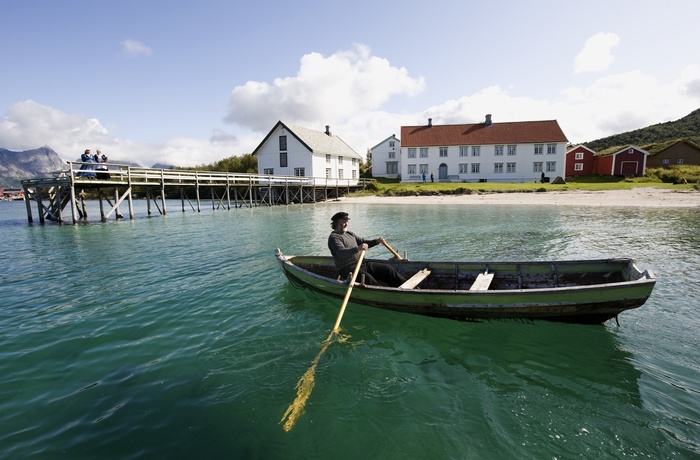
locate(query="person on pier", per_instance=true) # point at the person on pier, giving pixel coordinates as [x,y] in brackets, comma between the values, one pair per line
[87,170]
[345,247]
[101,168]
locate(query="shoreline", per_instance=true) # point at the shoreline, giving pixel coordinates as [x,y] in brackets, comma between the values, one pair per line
[637,197]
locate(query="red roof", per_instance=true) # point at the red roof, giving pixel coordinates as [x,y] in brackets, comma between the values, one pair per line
[517,132]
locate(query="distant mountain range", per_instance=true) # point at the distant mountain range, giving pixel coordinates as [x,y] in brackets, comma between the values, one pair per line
[30,164]
[687,128]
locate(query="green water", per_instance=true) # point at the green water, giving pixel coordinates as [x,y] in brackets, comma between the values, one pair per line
[178,337]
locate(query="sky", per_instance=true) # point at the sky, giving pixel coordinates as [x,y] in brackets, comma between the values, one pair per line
[189,83]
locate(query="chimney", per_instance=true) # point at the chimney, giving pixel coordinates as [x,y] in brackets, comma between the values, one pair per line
[488,121]
[328,130]
[430,122]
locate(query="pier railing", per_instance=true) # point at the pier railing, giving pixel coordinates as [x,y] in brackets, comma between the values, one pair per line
[225,189]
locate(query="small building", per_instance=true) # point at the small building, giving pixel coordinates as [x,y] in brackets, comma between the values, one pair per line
[579,161]
[385,158]
[629,161]
[503,152]
[682,152]
[290,150]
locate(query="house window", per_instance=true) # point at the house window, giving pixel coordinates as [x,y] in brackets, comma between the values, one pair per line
[328,173]
[424,169]
[551,149]
[551,166]
[340,174]
[354,173]
[328,158]
[578,156]
[476,168]
[498,151]
[392,167]
[464,151]
[665,161]
[283,142]
[299,172]
[424,152]
[498,168]
[578,166]
[463,168]
[512,150]
[476,150]
[679,161]
[392,155]
[354,161]
[411,153]
[340,160]
[510,167]
[537,166]
[539,149]
[411,169]
[391,144]
[443,151]
[268,171]
[283,160]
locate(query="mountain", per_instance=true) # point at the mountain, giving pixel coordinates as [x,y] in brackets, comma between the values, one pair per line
[15,166]
[687,127]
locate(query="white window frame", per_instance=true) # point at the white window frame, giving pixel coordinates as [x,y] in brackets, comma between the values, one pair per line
[412,152]
[464,151]
[443,152]
[537,166]
[551,149]
[539,149]
[423,152]
[511,167]
[498,168]
[299,172]
[476,150]
[476,168]
[578,156]
[498,151]
[411,169]
[551,166]
[578,166]
[463,168]
[512,150]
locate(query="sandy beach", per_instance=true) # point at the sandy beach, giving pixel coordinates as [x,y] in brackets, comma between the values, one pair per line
[640,197]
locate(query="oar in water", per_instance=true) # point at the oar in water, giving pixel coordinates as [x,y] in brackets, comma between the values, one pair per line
[396,254]
[306,382]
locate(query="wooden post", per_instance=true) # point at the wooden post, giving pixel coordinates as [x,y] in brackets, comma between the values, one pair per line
[162,191]
[28,204]
[102,207]
[196,183]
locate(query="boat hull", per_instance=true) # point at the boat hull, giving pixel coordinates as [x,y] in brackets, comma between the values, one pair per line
[586,292]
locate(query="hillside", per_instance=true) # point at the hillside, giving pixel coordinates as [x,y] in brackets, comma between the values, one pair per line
[15,166]
[687,127]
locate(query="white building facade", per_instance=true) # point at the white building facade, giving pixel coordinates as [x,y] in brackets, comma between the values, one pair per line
[386,158]
[483,152]
[290,150]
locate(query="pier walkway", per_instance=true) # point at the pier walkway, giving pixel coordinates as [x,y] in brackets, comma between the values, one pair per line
[52,195]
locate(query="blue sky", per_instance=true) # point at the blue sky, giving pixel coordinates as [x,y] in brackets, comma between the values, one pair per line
[190,83]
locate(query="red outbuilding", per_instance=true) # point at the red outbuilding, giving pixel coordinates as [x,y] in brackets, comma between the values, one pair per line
[579,161]
[630,161]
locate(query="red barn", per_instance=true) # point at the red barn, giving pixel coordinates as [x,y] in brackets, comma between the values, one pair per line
[630,161]
[579,161]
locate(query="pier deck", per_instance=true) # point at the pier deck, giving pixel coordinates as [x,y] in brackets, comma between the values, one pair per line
[225,190]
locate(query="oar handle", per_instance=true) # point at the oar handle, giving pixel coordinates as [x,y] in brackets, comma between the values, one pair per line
[347,294]
[396,254]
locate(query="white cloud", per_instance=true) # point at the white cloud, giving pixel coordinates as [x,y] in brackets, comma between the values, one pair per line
[326,90]
[29,125]
[135,48]
[596,55]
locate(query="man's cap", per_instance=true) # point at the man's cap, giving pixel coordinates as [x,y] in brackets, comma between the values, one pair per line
[340,215]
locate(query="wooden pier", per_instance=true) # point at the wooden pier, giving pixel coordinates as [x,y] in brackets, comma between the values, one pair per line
[52,195]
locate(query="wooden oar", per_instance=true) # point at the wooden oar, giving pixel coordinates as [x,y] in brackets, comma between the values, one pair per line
[396,254]
[306,382]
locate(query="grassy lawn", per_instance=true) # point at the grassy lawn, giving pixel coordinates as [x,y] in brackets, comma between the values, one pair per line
[388,187]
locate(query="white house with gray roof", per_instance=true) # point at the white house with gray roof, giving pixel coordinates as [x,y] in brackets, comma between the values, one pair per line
[290,150]
[385,158]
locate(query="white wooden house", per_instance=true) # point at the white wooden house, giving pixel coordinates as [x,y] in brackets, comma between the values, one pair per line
[481,152]
[290,150]
[385,158]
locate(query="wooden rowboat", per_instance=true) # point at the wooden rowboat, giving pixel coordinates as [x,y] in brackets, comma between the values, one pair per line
[573,291]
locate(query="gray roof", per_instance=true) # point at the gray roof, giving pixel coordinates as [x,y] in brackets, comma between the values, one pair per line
[320,142]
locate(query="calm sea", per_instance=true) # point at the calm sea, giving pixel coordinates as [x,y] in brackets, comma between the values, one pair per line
[178,337]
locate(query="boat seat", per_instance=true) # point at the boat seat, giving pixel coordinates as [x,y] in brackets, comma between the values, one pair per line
[482,282]
[415,280]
